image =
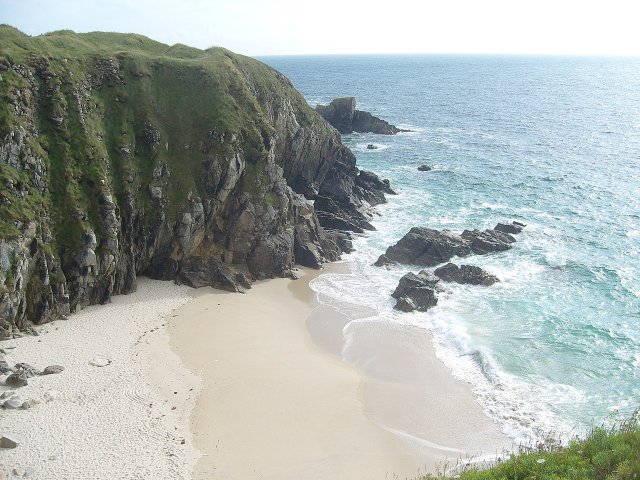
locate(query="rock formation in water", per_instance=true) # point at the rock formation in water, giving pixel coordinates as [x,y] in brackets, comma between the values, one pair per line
[342,114]
[416,291]
[121,156]
[466,274]
[428,247]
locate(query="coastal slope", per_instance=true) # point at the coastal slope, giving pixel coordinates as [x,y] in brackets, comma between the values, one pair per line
[122,156]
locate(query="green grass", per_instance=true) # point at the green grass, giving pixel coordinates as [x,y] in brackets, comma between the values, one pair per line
[605,454]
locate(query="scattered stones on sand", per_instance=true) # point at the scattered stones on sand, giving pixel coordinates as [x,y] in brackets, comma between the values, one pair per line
[16,380]
[99,361]
[7,394]
[465,274]
[8,441]
[424,168]
[52,369]
[4,367]
[13,403]
[27,369]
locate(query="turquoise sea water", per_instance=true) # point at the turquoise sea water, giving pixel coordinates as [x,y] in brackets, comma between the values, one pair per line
[551,142]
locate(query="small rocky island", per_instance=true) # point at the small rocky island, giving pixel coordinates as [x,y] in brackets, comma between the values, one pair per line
[341,113]
[428,247]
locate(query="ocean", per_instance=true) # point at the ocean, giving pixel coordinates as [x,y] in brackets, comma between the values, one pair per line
[553,142]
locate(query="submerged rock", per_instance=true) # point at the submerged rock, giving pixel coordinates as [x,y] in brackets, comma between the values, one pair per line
[513,228]
[424,168]
[371,146]
[466,274]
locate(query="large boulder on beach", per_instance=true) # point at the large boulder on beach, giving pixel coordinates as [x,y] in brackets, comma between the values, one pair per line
[487,241]
[425,247]
[512,228]
[466,274]
[416,292]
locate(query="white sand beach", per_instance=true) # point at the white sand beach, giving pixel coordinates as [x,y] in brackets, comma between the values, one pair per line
[208,384]
[105,422]
[275,405]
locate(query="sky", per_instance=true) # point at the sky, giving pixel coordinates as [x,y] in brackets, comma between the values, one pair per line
[298,27]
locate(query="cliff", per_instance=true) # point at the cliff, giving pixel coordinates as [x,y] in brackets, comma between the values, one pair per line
[122,156]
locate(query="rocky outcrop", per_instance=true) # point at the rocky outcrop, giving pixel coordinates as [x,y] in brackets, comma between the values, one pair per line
[465,274]
[416,292]
[425,247]
[512,228]
[342,114]
[428,247]
[487,241]
[424,168]
[234,184]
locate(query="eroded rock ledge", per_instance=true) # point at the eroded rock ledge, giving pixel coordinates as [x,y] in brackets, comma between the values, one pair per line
[341,113]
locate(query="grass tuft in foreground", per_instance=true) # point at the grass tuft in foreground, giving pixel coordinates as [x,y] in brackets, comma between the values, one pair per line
[605,454]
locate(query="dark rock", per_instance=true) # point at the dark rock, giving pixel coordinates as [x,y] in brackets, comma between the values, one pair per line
[13,403]
[8,441]
[416,292]
[424,168]
[371,146]
[425,247]
[412,280]
[341,113]
[198,272]
[17,380]
[487,241]
[52,369]
[512,228]
[27,369]
[4,367]
[467,274]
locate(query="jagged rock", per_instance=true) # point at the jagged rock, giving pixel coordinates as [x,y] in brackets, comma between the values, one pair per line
[16,380]
[27,369]
[198,272]
[8,441]
[412,280]
[425,247]
[424,168]
[467,274]
[487,241]
[27,404]
[52,369]
[511,228]
[341,113]
[416,292]
[4,367]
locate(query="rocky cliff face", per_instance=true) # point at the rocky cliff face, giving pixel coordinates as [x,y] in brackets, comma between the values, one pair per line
[121,156]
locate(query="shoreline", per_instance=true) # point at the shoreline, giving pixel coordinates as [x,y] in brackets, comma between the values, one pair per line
[278,400]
